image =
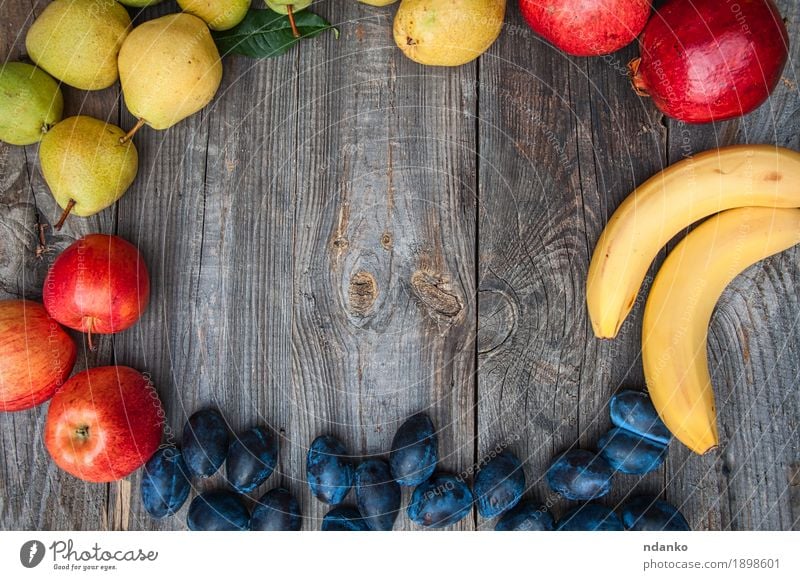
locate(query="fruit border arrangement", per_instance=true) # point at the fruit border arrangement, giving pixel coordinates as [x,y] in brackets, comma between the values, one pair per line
[171,67]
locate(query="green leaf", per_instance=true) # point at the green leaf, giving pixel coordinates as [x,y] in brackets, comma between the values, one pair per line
[265,34]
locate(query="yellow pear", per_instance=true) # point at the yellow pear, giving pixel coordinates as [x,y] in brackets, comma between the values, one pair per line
[86,166]
[447,33]
[77,41]
[218,14]
[169,69]
[30,103]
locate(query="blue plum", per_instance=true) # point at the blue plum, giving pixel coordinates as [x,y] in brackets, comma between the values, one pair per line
[634,411]
[377,494]
[277,511]
[165,485]
[580,475]
[218,511]
[590,517]
[528,516]
[415,451]
[646,513]
[329,471]
[441,501]
[205,442]
[499,485]
[631,453]
[252,458]
[344,518]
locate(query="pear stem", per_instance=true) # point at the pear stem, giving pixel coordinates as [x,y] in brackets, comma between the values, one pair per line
[129,135]
[64,215]
[290,14]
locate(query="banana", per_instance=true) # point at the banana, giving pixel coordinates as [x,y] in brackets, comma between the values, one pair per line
[678,311]
[688,191]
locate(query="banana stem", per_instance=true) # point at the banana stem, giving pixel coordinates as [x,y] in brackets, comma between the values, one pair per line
[290,14]
[64,215]
[129,135]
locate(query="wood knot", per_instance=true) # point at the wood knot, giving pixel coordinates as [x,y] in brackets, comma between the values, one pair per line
[386,241]
[362,292]
[432,293]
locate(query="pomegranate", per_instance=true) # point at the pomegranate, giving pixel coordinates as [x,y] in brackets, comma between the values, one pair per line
[711,60]
[587,27]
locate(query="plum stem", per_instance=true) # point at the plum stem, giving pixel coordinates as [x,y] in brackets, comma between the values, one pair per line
[129,135]
[290,14]
[64,215]
[639,86]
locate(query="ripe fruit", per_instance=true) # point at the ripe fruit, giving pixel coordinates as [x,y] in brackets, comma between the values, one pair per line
[36,355]
[378,2]
[634,412]
[580,475]
[276,511]
[98,285]
[77,41]
[85,166]
[499,485]
[218,511]
[377,494]
[631,453]
[169,69]
[328,470]
[205,442]
[103,423]
[679,308]
[590,517]
[344,518]
[415,451]
[708,60]
[252,457]
[663,206]
[528,516]
[218,15]
[645,513]
[445,33]
[165,485]
[441,501]
[30,103]
[587,27]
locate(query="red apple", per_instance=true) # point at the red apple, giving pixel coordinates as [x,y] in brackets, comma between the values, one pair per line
[36,355]
[99,284]
[104,423]
[587,27]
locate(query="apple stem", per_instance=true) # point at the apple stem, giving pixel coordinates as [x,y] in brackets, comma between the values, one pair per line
[290,14]
[129,135]
[63,218]
[639,86]
[92,347]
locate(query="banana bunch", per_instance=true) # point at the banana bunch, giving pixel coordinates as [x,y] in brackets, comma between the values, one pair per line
[754,190]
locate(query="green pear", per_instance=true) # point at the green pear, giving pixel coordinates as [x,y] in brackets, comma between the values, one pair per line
[30,103]
[77,41]
[140,3]
[169,69]
[86,166]
[447,33]
[282,6]
[218,14]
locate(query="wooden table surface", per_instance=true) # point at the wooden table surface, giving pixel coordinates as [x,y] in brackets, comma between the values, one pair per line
[344,238]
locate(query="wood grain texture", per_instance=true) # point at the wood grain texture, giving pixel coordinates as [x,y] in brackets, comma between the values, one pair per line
[344,237]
